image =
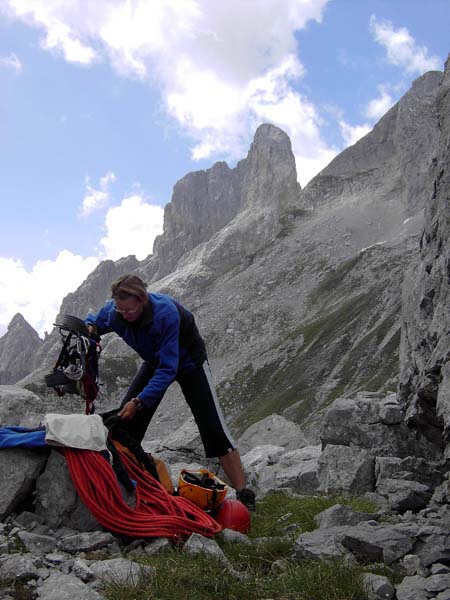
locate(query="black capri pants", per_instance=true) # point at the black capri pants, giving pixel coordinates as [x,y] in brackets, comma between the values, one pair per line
[199,392]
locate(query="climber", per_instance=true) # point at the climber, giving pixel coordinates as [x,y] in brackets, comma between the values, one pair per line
[165,335]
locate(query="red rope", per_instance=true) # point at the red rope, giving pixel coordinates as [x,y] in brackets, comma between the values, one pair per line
[156,514]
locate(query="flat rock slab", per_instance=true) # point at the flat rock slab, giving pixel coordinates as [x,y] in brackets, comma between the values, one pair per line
[66,587]
[86,542]
[380,543]
[120,570]
[37,544]
[320,543]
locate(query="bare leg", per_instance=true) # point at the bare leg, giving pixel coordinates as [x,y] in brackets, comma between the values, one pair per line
[231,464]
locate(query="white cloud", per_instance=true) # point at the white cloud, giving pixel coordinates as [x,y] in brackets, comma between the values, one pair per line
[402,49]
[219,81]
[11,62]
[353,133]
[379,106]
[131,228]
[64,24]
[38,293]
[96,199]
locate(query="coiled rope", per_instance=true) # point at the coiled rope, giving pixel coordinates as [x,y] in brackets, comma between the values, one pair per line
[156,513]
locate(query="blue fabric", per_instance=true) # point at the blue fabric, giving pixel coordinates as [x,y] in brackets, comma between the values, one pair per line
[14,437]
[156,340]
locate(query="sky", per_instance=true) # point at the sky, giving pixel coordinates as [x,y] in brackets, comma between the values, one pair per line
[105,105]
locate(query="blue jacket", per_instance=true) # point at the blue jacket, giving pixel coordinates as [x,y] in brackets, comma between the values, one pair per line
[166,336]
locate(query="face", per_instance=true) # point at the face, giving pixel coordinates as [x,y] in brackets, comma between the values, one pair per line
[130,309]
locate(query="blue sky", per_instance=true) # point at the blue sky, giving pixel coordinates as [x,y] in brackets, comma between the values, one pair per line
[105,105]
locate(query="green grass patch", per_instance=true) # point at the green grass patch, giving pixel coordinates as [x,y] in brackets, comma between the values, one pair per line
[183,577]
[278,511]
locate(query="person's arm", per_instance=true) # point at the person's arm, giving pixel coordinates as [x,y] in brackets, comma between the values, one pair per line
[97,322]
[165,373]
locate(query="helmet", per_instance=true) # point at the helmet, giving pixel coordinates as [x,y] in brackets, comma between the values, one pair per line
[232,514]
[202,488]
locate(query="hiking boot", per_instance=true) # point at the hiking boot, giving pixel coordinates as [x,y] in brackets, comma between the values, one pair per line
[247,497]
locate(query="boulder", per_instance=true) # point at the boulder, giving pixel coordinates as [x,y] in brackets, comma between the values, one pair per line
[18,566]
[433,544]
[319,544]
[377,587]
[344,469]
[86,541]
[374,542]
[57,501]
[59,586]
[338,515]
[19,406]
[403,494]
[37,544]
[412,588]
[296,470]
[19,470]
[273,430]
[121,571]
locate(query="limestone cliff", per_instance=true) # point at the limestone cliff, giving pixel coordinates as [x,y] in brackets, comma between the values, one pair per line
[425,349]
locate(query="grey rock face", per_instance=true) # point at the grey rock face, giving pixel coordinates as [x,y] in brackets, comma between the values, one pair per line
[205,202]
[20,407]
[57,501]
[18,349]
[397,153]
[366,423]
[424,377]
[19,470]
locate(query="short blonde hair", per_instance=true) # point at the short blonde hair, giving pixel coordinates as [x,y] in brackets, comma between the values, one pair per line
[129,286]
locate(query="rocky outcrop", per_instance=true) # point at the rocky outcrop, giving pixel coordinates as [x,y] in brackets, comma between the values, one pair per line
[425,366]
[396,154]
[18,349]
[206,202]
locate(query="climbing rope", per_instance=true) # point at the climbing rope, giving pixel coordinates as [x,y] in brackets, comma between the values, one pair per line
[156,513]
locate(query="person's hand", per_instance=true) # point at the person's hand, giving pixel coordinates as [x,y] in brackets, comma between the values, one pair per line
[93,332]
[129,410]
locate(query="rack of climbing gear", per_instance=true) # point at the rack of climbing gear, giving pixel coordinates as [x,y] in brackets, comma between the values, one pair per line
[76,369]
